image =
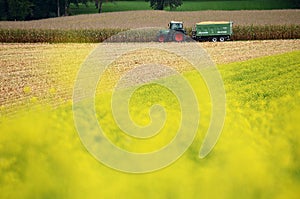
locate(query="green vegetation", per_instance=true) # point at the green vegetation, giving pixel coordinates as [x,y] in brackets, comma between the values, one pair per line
[187,6]
[37,9]
[34,9]
[94,36]
[257,153]
[236,5]
[109,7]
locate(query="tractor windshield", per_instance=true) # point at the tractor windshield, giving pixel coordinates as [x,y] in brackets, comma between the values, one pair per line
[176,26]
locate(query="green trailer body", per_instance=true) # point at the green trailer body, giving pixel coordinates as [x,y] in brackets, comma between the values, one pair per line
[213,31]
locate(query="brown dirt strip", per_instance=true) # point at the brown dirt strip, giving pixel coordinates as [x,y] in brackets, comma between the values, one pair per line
[227,52]
[139,19]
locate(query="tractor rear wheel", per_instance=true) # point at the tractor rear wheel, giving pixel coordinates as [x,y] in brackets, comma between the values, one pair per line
[179,37]
[221,39]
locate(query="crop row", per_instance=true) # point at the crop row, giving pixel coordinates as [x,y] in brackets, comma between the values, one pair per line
[56,36]
[266,32]
[252,32]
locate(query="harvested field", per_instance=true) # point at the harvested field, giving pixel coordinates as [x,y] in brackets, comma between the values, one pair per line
[31,72]
[138,19]
[227,52]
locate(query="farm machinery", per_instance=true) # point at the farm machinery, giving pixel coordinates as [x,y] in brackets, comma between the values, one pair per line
[176,32]
[204,31]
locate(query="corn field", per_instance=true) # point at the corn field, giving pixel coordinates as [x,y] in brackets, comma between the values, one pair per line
[251,32]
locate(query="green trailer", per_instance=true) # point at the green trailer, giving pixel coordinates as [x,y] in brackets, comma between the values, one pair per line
[212,31]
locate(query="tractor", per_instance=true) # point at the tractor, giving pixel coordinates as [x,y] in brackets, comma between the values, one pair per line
[176,32]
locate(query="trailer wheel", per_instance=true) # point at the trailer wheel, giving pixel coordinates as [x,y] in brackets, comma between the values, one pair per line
[222,39]
[214,39]
[178,37]
[161,38]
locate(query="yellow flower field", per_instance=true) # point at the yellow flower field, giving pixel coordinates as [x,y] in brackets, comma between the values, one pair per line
[41,155]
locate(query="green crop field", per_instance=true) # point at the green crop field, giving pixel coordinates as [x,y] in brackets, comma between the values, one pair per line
[187,6]
[255,157]
[235,5]
[110,7]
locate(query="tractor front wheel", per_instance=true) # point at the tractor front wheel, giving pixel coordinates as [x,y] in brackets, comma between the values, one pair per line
[162,38]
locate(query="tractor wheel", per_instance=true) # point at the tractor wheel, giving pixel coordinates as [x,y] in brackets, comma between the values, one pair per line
[221,39]
[161,38]
[179,37]
[214,39]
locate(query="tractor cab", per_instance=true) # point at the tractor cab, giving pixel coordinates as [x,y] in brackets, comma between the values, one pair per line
[177,26]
